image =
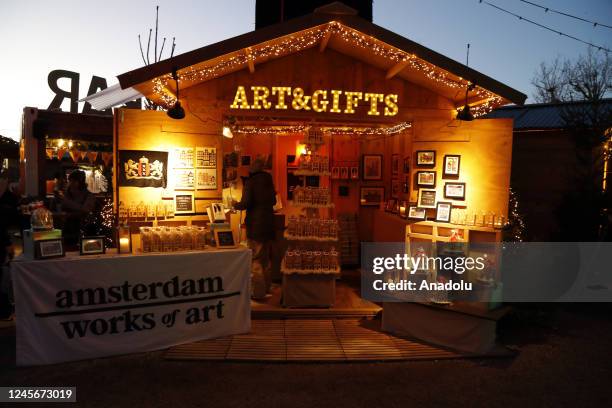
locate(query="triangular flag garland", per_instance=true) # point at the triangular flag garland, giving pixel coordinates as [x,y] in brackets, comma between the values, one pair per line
[50,153]
[74,154]
[92,157]
[107,157]
[60,153]
[82,155]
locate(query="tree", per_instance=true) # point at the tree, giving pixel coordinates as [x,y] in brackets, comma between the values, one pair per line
[584,84]
[149,104]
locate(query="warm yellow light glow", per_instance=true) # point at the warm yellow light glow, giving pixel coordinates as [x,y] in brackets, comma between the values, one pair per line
[60,142]
[240,100]
[352,100]
[391,102]
[227,132]
[70,144]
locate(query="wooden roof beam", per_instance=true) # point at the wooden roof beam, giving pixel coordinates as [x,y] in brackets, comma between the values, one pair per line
[396,69]
[324,41]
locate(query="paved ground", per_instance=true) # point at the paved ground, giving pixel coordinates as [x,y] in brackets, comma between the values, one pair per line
[565,359]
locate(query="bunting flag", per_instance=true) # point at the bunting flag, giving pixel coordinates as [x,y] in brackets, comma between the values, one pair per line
[50,153]
[60,153]
[92,157]
[74,154]
[82,155]
[107,157]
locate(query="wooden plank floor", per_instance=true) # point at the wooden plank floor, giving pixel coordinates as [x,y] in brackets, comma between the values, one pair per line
[319,340]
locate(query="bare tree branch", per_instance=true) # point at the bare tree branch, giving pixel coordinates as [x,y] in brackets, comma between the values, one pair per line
[162,49]
[149,45]
[141,52]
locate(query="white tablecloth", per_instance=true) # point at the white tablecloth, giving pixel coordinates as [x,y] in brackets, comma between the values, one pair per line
[81,307]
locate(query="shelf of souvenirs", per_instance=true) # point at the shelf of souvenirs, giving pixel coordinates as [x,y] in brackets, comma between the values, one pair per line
[484,228]
[290,237]
[287,271]
[309,205]
[306,172]
[311,262]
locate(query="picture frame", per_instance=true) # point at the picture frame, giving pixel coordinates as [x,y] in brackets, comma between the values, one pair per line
[92,245]
[406,165]
[395,164]
[443,211]
[416,213]
[49,248]
[454,190]
[395,188]
[389,205]
[355,173]
[184,203]
[372,166]
[371,196]
[224,238]
[451,167]
[426,158]
[406,185]
[427,198]
[426,178]
[335,173]
[344,173]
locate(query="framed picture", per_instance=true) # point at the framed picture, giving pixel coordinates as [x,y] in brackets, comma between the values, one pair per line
[443,211]
[184,203]
[416,213]
[395,163]
[406,165]
[427,198]
[395,188]
[224,238]
[343,191]
[48,248]
[426,158]
[426,178]
[355,173]
[344,173]
[206,157]
[451,165]
[390,204]
[406,185]
[335,173]
[372,167]
[92,245]
[454,190]
[371,196]
[184,179]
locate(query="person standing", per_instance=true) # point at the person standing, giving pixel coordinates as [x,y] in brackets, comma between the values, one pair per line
[258,199]
[8,215]
[77,203]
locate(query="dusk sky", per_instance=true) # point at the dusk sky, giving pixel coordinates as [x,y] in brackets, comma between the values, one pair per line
[100,38]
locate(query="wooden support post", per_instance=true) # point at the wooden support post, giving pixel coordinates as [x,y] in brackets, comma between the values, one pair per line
[250,62]
[324,41]
[396,69]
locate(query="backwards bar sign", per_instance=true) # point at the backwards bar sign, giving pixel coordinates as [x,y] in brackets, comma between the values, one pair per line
[321,100]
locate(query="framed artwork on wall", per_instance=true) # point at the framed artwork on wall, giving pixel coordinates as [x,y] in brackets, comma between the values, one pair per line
[443,211]
[372,167]
[426,178]
[395,164]
[426,158]
[451,165]
[454,190]
[371,196]
[427,198]
[416,213]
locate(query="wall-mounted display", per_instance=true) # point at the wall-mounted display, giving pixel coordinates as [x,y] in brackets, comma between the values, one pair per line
[406,185]
[395,164]
[454,190]
[355,173]
[93,245]
[207,157]
[443,211]
[344,173]
[183,203]
[427,198]
[335,173]
[372,167]
[184,179]
[416,213]
[183,158]
[451,165]
[140,168]
[206,179]
[406,165]
[372,196]
[426,158]
[390,204]
[426,178]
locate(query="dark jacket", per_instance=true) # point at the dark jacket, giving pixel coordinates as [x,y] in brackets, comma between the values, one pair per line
[258,199]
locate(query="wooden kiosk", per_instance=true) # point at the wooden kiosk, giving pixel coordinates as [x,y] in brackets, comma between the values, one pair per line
[379,100]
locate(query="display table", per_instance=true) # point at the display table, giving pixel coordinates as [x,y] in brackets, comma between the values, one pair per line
[463,326]
[81,307]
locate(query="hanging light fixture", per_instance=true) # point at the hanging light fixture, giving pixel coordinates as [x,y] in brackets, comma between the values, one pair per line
[177,111]
[465,114]
[227,127]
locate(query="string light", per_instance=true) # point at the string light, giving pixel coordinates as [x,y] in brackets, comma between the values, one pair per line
[336,130]
[310,38]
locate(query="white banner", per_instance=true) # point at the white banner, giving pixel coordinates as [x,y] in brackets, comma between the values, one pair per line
[77,308]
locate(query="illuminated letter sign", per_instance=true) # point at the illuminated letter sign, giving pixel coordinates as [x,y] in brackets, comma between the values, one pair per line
[321,100]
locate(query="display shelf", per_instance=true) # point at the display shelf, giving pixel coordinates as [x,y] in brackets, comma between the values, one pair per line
[311,173]
[290,237]
[286,271]
[330,205]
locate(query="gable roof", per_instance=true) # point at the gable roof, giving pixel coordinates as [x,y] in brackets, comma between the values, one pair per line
[335,26]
